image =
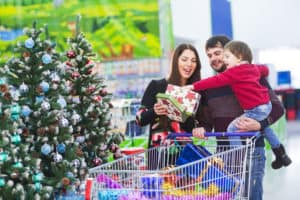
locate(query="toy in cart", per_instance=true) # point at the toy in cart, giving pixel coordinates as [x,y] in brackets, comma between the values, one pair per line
[201,173]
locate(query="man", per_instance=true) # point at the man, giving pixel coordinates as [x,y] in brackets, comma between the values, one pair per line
[223,107]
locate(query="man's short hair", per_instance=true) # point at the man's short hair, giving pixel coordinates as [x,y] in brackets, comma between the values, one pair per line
[217,41]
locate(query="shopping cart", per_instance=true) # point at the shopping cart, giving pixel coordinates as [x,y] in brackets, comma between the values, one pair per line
[178,171]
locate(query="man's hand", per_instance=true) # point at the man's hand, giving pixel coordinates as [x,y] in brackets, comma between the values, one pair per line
[245,124]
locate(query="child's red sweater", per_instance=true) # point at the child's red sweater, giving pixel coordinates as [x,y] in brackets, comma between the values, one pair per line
[244,81]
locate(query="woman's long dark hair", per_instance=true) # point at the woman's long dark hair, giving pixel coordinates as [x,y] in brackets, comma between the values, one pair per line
[174,77]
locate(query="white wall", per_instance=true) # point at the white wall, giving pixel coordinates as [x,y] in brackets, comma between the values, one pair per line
[191,20]
[263,24]
[266,23]
[270,26]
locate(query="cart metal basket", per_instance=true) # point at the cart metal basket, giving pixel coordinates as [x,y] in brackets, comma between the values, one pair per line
[180,170]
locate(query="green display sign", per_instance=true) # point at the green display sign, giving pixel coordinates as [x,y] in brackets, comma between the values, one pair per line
[117,29]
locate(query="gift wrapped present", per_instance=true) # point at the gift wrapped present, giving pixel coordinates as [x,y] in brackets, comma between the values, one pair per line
[181,102]
[176,111]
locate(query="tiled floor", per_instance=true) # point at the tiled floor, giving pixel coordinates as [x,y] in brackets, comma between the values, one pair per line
[283,184]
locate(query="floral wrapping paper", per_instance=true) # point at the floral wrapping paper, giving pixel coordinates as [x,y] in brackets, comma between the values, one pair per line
[181,102]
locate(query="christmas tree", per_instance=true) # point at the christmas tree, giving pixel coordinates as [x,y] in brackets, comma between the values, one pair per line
[55,118]
[37,151]
[11,148]
[89,104]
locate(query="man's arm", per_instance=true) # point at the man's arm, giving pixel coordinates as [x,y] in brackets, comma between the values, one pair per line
[277,107]
[203,115]
[247,124]
[204,119]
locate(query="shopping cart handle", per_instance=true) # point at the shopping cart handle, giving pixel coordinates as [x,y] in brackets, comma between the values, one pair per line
[173,135]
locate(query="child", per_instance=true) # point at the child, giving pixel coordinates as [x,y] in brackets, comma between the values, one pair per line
[243,77]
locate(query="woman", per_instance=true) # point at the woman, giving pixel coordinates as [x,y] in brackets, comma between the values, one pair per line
[185,70]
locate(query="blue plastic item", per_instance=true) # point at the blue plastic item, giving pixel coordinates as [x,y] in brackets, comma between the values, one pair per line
[191,153]
[152,186]
[210,172]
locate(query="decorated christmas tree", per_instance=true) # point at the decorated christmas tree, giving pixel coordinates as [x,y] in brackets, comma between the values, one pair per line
[89,104]
[37,155]
[55,118]
[11,148]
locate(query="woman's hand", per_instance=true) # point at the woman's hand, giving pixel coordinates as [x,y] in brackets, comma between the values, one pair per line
[160,109]
[199,133]
[245,124]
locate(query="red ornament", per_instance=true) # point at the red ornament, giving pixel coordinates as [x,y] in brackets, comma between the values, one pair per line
[71,54]
[3,88]
[75,75]
[97,161]
[103,92]
[91,89]
[39,89]
[66,181]
[110,105]
[118,154]
[97,98]
[89,71]
[114,147]
[25,132]
[26,54]
[69,64]
[73,92]
[7,96]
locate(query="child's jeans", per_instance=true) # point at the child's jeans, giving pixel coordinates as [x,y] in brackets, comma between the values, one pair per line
[258,113]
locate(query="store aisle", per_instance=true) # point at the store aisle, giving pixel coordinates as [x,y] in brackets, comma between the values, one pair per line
[283,184]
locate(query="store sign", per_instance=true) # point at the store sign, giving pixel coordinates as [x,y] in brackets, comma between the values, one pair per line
[117,29]
[221,17]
